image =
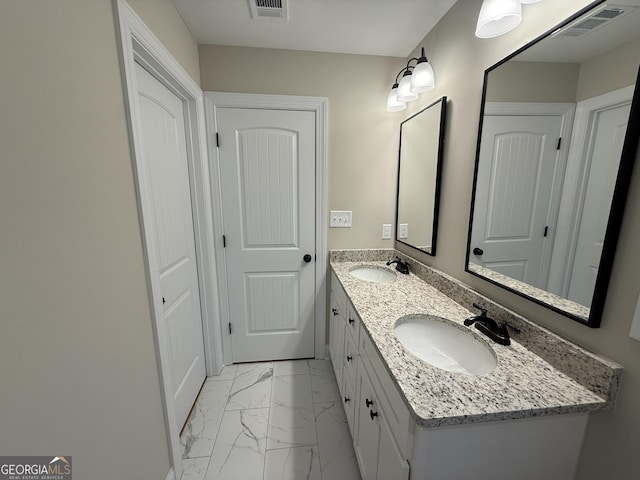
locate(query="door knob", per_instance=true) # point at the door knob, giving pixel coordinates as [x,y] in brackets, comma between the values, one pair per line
[307,258]
[478,251]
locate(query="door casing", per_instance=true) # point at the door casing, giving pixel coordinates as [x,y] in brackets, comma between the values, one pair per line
[318,105]
[138,44]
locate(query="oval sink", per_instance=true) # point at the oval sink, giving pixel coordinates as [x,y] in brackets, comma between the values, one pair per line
[445,344]
[374,274]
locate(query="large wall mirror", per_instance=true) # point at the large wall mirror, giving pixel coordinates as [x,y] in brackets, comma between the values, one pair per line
[557,141]
[419,171]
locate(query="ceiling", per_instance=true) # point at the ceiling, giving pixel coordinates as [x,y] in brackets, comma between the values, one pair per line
[581,48]
[369,27]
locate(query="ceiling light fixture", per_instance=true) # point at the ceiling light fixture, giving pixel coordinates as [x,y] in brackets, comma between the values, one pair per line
[498,17]
[413,83]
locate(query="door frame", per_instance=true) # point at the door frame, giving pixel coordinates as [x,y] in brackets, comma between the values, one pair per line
[138,44]
[575,186]
[318,105]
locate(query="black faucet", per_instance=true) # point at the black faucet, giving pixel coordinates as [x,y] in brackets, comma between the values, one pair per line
[488,326]
[402,267]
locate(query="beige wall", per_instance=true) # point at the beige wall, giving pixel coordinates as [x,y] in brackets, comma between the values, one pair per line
[165,22]
[363,137]
[533,82]
[609,71]
[77,357]
[459,60]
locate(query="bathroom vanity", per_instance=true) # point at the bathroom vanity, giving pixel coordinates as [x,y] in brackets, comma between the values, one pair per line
[524,419]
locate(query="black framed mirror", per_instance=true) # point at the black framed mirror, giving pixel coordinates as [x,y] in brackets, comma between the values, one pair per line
[419,172]
[557,141]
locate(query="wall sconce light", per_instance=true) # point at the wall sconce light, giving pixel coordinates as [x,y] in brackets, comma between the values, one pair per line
[413,83]
[498,17]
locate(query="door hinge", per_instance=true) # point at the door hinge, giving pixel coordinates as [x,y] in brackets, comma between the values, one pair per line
[224,241]
[559,143]
[229,328]
[217,139]
[546,231]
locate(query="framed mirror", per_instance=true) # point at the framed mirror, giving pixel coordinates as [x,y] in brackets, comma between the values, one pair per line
[557,141]
[419,172]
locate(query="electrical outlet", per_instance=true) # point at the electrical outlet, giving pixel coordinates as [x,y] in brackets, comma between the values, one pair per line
[403,230]
[340,218]
[386,231]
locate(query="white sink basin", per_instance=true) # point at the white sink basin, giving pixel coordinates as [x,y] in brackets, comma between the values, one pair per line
[374,274]
[445,344]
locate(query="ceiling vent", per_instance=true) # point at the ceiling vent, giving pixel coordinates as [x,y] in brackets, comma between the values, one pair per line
[269,9]
[593,20]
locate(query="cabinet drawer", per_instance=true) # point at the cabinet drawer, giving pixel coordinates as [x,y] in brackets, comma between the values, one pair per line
[350,359]
[396,412]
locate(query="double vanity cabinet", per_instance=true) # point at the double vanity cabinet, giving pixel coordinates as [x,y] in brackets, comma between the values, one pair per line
[378,419]
[409,419]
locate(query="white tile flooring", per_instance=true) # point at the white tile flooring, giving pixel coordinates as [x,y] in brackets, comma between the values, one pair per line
[270,420]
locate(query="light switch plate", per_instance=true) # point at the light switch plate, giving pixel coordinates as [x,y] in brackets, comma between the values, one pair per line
[386,231]
[340,218]
[403,230]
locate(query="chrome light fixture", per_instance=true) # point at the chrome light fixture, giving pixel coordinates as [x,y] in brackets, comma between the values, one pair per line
[413,83]
[498,17]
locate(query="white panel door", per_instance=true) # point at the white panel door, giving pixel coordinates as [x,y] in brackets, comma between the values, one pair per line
[517,191]
[609,129]
[267,170]
[170,217]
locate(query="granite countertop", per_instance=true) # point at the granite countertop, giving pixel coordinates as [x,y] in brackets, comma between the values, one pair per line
[522,385]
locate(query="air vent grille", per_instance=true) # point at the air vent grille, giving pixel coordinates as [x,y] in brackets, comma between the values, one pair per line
[593,20]
[269,9]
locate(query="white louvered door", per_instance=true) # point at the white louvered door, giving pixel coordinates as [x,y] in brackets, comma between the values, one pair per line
[267,171]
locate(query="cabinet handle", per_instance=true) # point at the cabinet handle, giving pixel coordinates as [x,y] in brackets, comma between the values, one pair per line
[373,414]
[335,311]
[351,321]
[347,399]
[349,358]
[368,402]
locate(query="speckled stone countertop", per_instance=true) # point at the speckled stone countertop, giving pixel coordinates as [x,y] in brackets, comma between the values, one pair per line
[522,385]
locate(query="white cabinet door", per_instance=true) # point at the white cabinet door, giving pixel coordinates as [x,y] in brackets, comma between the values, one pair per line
[367,438]
[336,337]
[391,464]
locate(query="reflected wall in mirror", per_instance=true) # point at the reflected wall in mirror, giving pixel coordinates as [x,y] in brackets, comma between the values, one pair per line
[419,171]
[557,141]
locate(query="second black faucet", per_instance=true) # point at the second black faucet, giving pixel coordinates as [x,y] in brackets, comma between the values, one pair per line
[402,267]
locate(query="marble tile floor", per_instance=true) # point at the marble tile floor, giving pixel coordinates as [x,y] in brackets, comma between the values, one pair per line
[269,420]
